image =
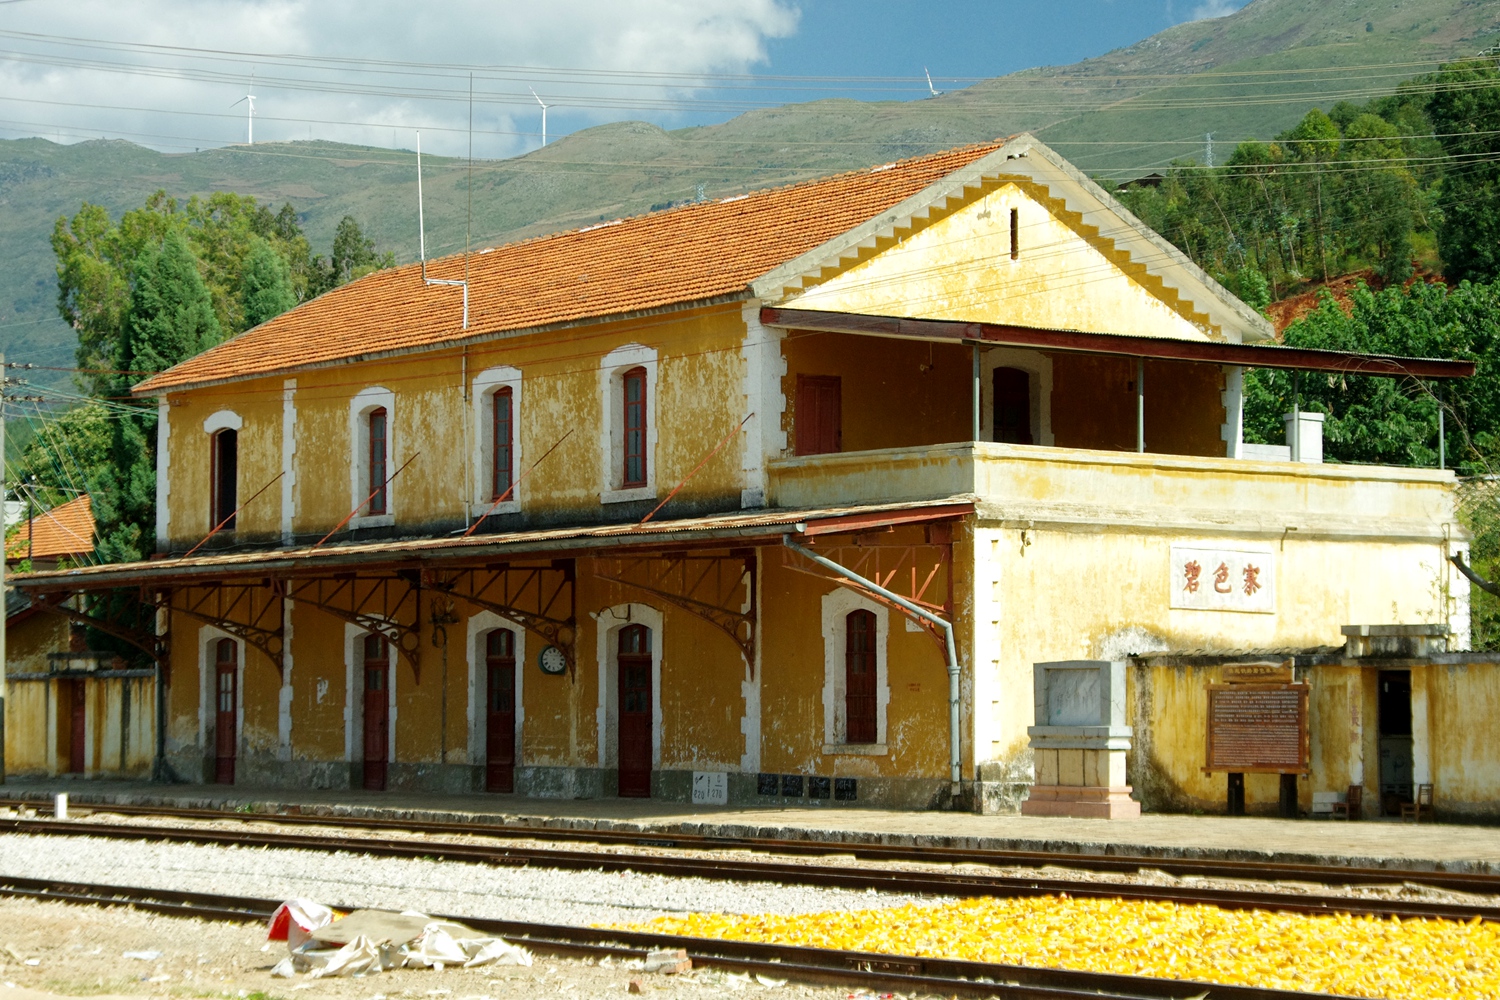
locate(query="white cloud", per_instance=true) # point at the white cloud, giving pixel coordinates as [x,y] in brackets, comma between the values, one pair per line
[181,100]
[1215,8]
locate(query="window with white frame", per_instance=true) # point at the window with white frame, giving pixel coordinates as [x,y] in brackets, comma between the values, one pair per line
[628,435]
[856,688]
[223,430]
[372,445]
[1015,396]
[497,441]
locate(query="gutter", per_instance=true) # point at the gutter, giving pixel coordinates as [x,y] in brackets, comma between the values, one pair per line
[955,762]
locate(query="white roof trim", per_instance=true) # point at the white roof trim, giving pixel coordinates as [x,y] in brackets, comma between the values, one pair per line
[1025,156]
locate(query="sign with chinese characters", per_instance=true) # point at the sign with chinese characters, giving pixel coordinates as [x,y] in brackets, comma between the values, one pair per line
[1223,580]
[710,788]
[1257,728]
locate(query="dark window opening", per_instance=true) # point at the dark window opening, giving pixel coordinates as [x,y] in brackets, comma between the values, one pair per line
[225,486]
[377,485]
[502,431]
[1012,423]
[859,676]
[1015,234]
[633,383]
[819,415]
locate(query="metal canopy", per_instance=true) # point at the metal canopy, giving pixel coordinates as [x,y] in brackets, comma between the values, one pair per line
[1161,348]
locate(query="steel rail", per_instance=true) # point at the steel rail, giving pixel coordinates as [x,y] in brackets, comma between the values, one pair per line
[1478,883]
[945,977]
[966,884]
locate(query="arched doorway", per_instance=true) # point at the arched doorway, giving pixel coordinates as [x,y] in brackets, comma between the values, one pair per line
[500,711]
[226,709]
[634,661]
[377,710]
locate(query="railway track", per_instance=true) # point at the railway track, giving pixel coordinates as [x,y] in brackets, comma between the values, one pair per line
[1477,883]
[942,977]
[966,883]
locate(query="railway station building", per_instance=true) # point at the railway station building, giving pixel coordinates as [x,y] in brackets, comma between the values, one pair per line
[767,499]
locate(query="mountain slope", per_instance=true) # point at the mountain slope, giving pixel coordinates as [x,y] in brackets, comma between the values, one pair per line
[1125,113]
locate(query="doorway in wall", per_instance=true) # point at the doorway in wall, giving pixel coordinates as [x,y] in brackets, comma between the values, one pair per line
[226,709]
[1395,740]
[500,711]
[1012,416]
[77,726]
[635,711]
[377,711]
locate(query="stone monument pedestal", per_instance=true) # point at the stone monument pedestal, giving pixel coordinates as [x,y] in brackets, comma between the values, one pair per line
[1079,742]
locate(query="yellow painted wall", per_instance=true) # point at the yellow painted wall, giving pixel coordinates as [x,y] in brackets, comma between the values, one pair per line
[1094,405]
[699,399]
[28,709]
[317,656]
[1066,276]
[1463,706]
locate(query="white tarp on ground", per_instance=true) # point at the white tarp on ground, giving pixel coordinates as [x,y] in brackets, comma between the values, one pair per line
[371,941]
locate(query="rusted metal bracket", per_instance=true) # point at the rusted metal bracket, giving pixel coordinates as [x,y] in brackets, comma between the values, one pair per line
[914,572]
[116,613]
[373,603]
[718,589]
[233,608]
[541,599]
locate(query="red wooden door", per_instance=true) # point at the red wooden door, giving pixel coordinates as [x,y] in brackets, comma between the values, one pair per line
[226,708]
[77,726]
[377,715]
[500,711]
[819,415]
[859,676]
[635,711]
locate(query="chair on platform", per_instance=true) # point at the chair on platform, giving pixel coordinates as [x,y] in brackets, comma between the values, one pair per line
[1414,811]
[1352,804]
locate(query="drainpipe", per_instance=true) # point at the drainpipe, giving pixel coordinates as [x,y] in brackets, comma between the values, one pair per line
[954,761]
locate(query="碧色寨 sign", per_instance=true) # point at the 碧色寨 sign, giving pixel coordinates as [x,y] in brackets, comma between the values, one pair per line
[1223,580]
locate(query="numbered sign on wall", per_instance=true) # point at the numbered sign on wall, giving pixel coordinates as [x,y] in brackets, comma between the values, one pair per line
[710,788]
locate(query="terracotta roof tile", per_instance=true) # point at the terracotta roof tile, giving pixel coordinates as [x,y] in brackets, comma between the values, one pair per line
[681,255]
[65,530]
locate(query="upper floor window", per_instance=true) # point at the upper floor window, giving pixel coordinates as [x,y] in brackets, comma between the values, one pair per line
[1012,418]
[502,439]
[633,384]
[819,414]
[224,489]
[377,438]
[372,427]
[628,439]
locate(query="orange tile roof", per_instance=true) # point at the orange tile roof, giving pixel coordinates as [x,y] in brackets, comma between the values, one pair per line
[65,530]
[681,255]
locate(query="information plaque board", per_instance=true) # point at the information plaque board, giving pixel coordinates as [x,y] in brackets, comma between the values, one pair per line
[1257,728]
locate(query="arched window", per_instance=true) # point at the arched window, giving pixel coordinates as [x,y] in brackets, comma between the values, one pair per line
[859,676]
[1012,423]
[224,488]
[502,436]
[377,438]
[633,383]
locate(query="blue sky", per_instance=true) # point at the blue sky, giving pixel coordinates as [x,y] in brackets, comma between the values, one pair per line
[168,73]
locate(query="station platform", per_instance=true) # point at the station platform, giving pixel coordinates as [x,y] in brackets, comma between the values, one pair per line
[1363,844]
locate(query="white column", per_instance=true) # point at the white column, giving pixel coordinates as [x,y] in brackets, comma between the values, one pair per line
[1233,396]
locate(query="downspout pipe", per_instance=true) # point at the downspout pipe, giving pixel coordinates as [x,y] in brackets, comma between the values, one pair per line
[955,762]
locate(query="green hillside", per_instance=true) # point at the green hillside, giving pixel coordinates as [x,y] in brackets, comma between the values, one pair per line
[1252,74]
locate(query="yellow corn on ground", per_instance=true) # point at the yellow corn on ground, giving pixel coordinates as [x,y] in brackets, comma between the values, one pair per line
[1334,953]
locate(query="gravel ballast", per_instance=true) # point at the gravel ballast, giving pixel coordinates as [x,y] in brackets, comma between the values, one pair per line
[541,895]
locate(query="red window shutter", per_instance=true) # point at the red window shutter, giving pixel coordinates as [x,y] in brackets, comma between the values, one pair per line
[633,468]
[819,414]
[859,676]
[502,430]
[377,435]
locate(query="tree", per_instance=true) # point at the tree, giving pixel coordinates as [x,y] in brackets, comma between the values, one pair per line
[353,255]
[1465,113]
[170,318]
[265,285]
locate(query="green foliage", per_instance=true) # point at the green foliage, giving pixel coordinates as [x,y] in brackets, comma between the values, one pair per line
[353,256]
[66,456]
[1465,114]
[1386,420]
[265,285]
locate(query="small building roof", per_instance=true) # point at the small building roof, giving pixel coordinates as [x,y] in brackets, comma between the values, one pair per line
[64,531]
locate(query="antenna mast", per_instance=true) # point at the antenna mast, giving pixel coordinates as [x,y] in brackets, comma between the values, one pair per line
[422,243]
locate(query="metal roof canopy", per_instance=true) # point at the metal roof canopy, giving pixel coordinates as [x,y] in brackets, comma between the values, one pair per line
[1214,352]
[715,531]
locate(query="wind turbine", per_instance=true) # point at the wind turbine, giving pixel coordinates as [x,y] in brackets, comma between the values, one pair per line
[545,106]
[935,91]
[249,101]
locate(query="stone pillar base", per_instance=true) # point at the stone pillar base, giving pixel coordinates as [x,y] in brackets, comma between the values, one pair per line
[1082,801]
